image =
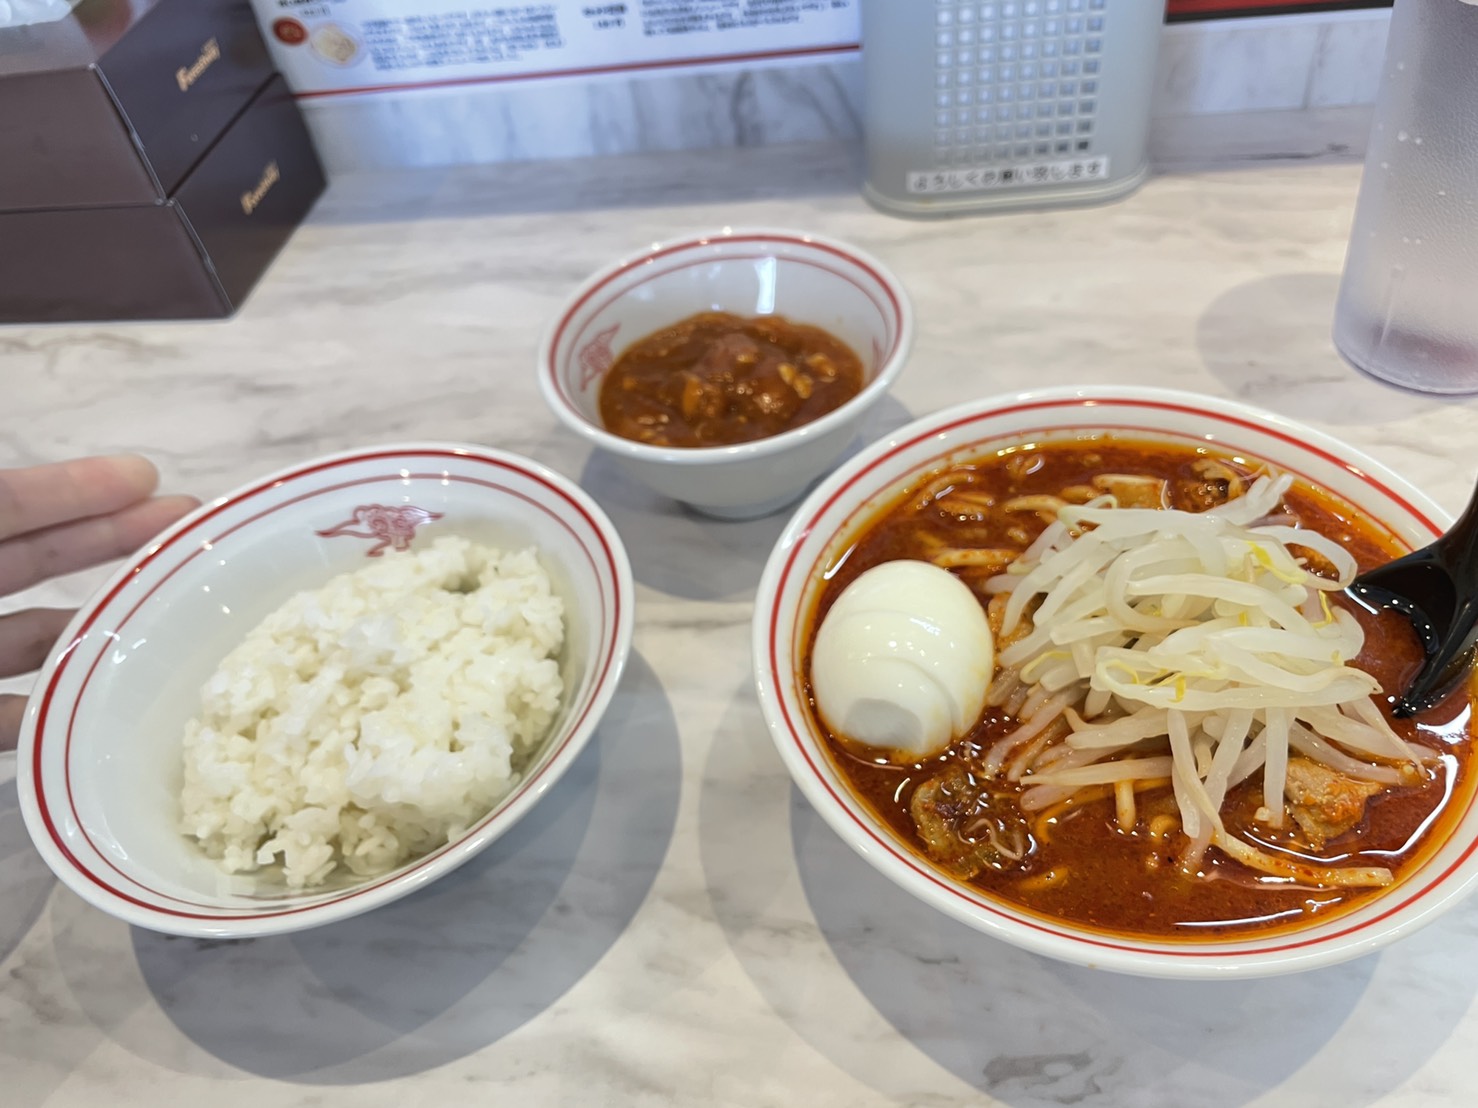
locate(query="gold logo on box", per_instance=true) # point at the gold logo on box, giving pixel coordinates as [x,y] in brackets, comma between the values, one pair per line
[185,76]
[252,199]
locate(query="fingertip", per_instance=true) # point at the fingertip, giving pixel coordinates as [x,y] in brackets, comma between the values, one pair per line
[134,470]
[116,479]
[34,498]
[156,514]
[179,503]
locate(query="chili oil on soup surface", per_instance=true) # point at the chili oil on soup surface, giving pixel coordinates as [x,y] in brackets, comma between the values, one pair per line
[1080,866]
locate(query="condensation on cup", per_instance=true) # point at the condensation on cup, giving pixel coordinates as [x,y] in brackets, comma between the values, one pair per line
[1408,303]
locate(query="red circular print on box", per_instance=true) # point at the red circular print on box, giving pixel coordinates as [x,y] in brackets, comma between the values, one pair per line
[290,31]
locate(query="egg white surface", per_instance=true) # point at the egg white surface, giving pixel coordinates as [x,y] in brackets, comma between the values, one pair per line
[903,659]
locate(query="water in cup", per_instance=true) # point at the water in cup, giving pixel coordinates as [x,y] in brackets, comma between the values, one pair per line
[1408,303]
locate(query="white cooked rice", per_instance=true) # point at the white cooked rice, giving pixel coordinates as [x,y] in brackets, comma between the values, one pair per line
[376,718]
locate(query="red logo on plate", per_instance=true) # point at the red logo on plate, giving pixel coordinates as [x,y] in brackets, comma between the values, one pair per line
[596,357]
[393,527]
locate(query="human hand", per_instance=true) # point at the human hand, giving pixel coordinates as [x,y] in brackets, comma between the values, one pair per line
[56,519]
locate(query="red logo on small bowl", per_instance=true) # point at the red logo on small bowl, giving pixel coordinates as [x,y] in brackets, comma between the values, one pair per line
[392,527]
[596,356]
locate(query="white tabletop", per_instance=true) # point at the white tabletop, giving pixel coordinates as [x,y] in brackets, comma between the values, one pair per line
[673,924]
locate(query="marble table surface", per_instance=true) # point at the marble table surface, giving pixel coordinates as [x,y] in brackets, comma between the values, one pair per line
[673,924]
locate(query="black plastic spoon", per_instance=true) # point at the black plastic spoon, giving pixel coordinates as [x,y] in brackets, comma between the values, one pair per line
[1436,588]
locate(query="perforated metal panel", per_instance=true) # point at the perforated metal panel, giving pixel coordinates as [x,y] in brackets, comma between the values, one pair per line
[1026,99]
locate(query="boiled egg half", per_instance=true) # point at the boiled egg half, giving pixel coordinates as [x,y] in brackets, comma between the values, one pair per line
[902,660]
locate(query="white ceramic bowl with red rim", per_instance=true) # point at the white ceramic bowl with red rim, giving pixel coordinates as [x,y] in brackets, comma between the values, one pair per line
[750,272]
[99,761]
[830,518]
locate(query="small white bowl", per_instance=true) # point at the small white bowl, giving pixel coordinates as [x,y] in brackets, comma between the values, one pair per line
[99,761]
[830,519]
[750,272]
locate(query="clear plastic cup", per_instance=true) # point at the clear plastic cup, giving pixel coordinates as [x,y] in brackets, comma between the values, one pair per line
[1408,304]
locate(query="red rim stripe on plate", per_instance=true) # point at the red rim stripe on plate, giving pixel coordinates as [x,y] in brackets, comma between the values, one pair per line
[913,864]
[608,653]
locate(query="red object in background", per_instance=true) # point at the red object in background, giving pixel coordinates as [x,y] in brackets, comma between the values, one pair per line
[290,31]
[1210,9]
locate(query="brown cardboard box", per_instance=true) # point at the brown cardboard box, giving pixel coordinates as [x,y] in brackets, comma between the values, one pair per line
[194,254]
[115,104]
